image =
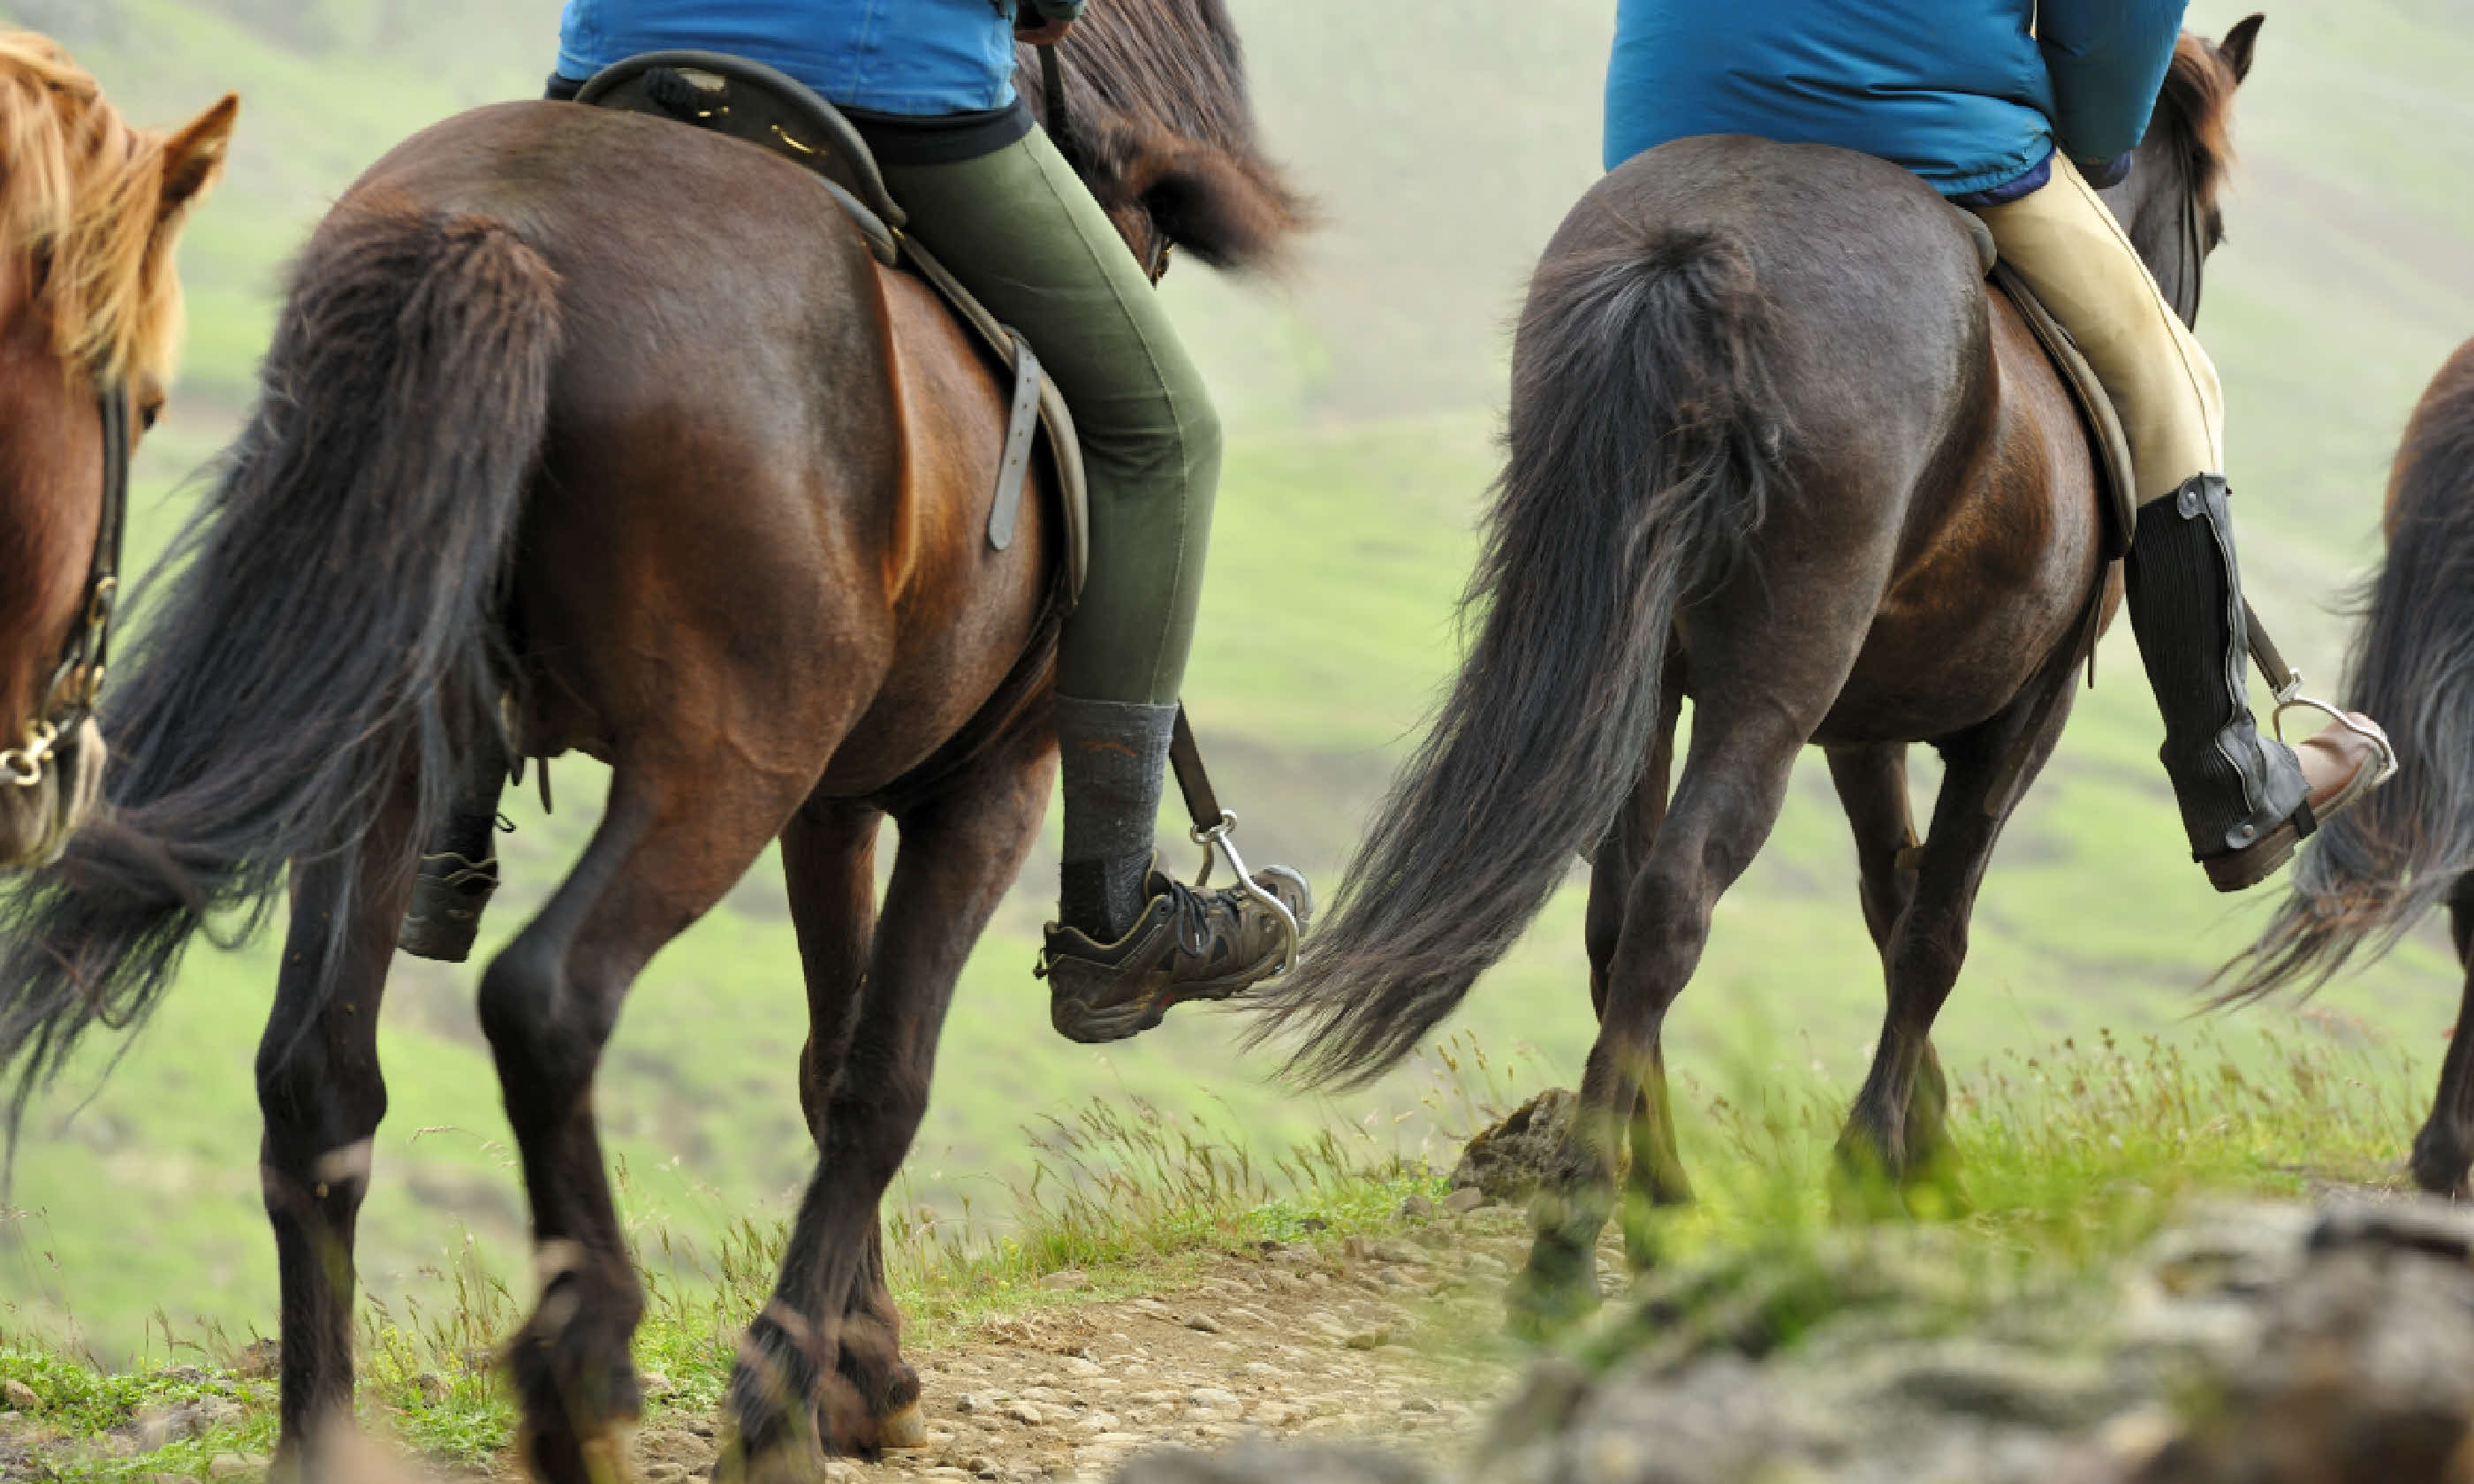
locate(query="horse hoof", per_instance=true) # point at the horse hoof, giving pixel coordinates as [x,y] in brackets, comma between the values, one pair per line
[905,1429]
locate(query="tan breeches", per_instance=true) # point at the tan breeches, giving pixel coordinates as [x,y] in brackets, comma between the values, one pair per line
[2071,251]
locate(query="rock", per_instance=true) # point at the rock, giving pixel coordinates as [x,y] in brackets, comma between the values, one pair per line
[1076,1365]
[1206,1323]
[1464,1199]
[1393,1250]
[180,1376]
[1257,1463]
[653,1383]
[1067,1280]
[1506,1164]
[227,1465]
[1213,1399]
[1028,1413]
[260,1361]
[1417,1207]
[433,1388]
[21,1396]
[974,1402]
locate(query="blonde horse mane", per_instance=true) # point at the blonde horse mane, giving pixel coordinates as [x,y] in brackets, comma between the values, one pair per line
[81,197]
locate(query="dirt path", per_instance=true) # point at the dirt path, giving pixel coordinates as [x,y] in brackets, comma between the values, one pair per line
[1394,1340]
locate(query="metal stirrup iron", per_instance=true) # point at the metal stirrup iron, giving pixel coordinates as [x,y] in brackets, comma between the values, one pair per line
[2286,681]
[1213,826]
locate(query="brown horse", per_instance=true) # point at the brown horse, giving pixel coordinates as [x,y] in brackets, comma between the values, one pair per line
[90,211]
[620,423]
[1773,445]
[2375,872]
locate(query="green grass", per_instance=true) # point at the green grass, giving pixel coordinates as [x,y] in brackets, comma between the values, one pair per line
[2072,1159]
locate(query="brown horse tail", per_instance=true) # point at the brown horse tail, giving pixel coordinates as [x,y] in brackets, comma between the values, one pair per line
[332,619]
[2372,872]
[1644,442]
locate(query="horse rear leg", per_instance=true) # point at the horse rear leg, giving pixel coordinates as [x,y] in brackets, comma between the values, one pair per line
[2445,1147]
[675,836]
[821,1369]
[1734,782]
[1871,783]
[1658,1175]
[321,1094]
[1898,1129]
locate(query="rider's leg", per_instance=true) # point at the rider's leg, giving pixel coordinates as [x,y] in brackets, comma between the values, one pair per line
[2246,799]
[1024,233]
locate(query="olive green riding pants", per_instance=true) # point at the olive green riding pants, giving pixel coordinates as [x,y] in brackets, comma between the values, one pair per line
[1020,230]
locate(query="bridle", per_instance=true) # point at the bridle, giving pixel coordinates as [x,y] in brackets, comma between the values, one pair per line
[77,680]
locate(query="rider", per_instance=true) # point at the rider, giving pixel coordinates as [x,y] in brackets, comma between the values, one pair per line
[929,85]
[2014,109]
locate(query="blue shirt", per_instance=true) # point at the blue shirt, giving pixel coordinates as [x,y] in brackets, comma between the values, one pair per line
[914,57]
[1969,94]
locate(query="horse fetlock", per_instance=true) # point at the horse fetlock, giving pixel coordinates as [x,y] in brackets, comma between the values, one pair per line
[2439,1161]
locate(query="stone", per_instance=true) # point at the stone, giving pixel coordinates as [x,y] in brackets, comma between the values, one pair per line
[433,1388]
[653,1383]
[1507,1162]
[20,1396]
[1076,1365]
[1394,1251]
[1258,1463]
[1206,1323]
[1213,1399]
[1464,1199]
[260,1361]
[1066,1280]
[227,1465]
[971,1403]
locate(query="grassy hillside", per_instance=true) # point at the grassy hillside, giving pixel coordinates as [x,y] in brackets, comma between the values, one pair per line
[1362,396]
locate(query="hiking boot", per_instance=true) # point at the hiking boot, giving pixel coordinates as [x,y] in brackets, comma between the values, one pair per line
[2340,766]
[1187,944]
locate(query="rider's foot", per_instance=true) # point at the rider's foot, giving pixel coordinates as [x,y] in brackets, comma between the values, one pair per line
[2340,765]
[1185,944]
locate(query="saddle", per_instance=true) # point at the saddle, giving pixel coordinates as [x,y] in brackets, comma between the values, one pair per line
[2117,494]
[766,107]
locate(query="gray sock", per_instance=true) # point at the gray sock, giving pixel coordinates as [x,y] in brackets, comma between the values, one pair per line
[1114,756]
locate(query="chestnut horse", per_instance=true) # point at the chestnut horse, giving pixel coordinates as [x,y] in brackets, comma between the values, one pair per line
[1776,446]
[2376,871]
[617,423]
[91,213]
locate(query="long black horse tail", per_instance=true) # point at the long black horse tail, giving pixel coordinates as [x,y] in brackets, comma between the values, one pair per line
[2372,872]
[331,625]
[1646,438]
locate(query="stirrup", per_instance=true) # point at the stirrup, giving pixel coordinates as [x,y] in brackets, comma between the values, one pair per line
[2292,698]
[1216,845]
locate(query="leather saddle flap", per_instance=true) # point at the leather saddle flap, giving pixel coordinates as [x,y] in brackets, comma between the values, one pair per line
[776,112]
[2116,489]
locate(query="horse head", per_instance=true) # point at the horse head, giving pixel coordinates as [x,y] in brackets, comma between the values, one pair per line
[90,212]
[2168,203]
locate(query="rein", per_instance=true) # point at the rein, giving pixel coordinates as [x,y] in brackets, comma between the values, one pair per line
[78,681]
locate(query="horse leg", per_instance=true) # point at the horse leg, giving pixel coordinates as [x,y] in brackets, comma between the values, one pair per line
[829,1337]
[1734,782]
[1898,1130]
[2445,1147]
[321,1094]
[1871,783]
[1657,1178]
[673,838]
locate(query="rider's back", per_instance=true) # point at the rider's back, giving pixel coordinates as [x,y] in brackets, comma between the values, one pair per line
[905,57]
[1969,94]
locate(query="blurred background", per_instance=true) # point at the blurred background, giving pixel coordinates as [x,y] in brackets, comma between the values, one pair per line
[1363,394]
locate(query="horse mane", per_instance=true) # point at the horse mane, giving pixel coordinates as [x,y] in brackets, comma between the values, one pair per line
[2200,95]
[1164,129]
[80,194]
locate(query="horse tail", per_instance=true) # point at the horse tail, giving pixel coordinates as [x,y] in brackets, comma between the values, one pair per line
[331,624]
[1644,442]
[2372,872]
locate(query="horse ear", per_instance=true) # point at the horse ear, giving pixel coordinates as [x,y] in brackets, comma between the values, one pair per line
[194,156]
[2236,47]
